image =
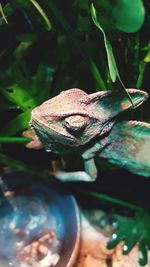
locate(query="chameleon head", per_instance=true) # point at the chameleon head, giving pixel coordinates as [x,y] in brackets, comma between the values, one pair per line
[73,117]
[65,119]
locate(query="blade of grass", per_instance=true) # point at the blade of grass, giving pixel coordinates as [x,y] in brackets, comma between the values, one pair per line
[92,66]
[96,74]
[2,13]
[108,199]
[42,13]
[111,60]
[114,200]
[140,79]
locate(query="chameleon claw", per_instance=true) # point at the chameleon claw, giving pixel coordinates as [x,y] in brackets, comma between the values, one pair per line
[142,254]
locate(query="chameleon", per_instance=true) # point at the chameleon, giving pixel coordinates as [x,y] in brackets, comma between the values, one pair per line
[87,123]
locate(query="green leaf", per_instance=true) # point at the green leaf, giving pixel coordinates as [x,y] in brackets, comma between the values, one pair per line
[2,13]
[27,39]
[147,57]
[128,15]
[42,13]
[16,125]
[21,97]
[124,15]
[110,57]
[28,5]
[111,61]
[114,73]
[97,76]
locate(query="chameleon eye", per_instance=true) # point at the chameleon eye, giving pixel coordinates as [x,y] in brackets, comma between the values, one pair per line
[75,122]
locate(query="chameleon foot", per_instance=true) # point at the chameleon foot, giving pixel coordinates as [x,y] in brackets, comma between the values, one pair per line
[133,232]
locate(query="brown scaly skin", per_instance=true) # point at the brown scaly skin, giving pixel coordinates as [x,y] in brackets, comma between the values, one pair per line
[73,119]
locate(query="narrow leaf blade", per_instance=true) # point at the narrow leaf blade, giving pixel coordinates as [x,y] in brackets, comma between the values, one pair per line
[42,13]
[110,57]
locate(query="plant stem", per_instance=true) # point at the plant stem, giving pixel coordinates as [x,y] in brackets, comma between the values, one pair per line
[141,74]
[21,166]
[112,200]
[22,140]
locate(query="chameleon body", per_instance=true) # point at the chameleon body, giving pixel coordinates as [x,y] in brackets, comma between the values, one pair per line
[75,120]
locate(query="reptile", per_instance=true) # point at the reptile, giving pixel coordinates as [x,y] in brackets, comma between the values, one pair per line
[87,123]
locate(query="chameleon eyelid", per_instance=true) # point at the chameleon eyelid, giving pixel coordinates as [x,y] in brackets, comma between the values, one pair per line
[75,122]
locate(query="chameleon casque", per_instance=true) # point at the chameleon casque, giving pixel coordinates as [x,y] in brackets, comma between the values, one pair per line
[77,121]
[74,120]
